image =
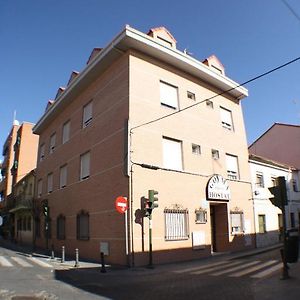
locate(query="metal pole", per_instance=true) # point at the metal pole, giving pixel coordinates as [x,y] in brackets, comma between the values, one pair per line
[76,258]
[103,270]
[62,254]
[285,272]
[150,242]
[52,252]
[126,232]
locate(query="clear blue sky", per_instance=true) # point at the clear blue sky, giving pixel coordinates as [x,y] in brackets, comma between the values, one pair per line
[42,41]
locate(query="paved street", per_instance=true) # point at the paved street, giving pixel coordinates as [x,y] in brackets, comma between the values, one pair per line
[220,277]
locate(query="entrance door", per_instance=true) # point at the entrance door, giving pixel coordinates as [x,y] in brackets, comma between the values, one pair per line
[219,227]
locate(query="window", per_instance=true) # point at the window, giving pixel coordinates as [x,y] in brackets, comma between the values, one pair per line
[209,104]
[237,222]
[29,223]
[37,227]
[50,183]
[292,220]
[66,132]
[85,165]
[232,167]
[201,216]
[226,118]
[262,223]
[259,180]
[172,154]
[191,95]
[48,228]
[40,188]
[42,152]
[52,143]
[83,226]
[215,154]
[295,187]
[196,149]
[63,176]
[176,224]
[168,95]
[61,227]
[87,114]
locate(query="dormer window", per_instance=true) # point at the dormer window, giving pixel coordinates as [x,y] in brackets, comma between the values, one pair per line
[163,36]
[214,64]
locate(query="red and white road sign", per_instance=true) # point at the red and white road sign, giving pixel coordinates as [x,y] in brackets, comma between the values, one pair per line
[121,204]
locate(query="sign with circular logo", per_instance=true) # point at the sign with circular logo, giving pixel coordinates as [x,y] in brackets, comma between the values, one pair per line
[121,204]
[218,189]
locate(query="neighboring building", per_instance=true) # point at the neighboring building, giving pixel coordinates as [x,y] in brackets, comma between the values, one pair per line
[20,155]
[268,218]
[280,143]
[24,209]
[98,141]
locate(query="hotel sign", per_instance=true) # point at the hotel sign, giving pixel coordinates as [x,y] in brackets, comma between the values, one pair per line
[218,189]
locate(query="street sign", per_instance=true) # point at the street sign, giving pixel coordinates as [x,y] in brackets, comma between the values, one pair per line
[121,204]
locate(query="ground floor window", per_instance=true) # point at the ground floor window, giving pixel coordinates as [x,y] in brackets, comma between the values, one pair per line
[237,222]
[83,230]
[176,224]
[262,223]
[61,227]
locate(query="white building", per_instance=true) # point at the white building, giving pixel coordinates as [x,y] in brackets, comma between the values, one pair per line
[268,218]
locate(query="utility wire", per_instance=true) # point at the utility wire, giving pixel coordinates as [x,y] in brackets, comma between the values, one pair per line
[291,9]
[219,94]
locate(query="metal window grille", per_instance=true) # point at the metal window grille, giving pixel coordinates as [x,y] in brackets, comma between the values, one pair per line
[237,222]
[176,224]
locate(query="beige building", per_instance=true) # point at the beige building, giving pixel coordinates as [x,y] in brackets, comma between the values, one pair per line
[142,116]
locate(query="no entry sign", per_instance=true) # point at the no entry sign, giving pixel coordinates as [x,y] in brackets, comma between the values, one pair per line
[121,204]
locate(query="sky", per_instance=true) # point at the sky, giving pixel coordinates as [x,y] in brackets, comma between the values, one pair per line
[43,41]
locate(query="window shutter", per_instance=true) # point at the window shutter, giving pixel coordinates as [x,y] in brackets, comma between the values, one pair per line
[66,132]
[231,162]
[172,156]
[87,114]
[63,176]
[226,117]
[85,165]
[168,95]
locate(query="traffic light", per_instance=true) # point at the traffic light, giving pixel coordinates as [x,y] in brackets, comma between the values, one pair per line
[153,199]
[45,209]
[278,191]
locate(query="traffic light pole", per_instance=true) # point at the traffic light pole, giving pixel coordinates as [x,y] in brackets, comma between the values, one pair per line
[285,272]
[150,242]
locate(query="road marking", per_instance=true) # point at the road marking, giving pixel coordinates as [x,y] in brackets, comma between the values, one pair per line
[4,262]
[268,271]
[253,269]
[201,267]
[39,262]
[208,269]
[236,268]
[21,262]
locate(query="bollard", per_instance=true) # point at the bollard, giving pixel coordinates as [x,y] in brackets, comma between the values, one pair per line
[103,270]
[62,254]
[76,258]
[52,252]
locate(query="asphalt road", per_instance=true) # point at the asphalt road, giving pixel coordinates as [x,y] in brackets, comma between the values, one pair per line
[222,278]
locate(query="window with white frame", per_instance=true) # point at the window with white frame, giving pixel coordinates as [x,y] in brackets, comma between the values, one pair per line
[168,95]
[237,222]
[226,118]
[172,154]
[87,114]
[63,176]
[66,132]
[50,183]
[42,152]
[196,149]
[176,224]
[52,143]
[259,180]
[40,188]
[232,167]
[85,165]
[201,216]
